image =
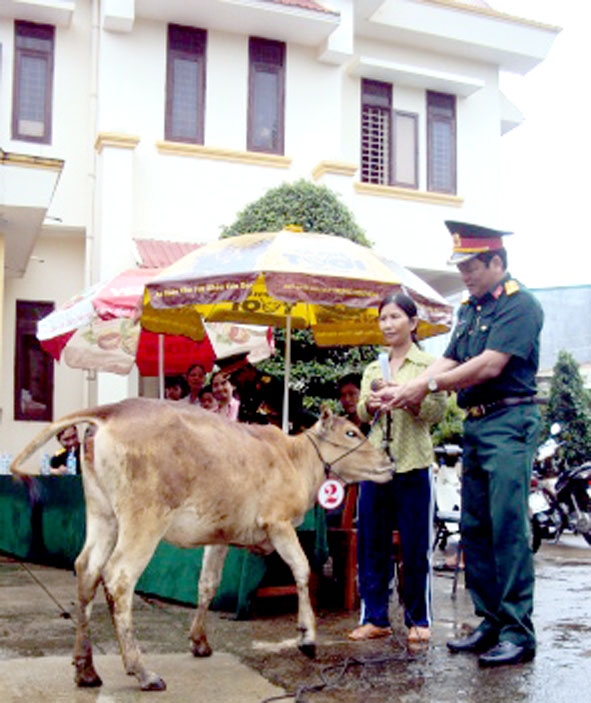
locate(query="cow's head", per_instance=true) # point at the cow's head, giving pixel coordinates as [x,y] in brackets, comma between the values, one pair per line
[346,452]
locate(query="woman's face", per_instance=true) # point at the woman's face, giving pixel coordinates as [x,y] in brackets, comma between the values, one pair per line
[396,326]
[222,390]
[196,379]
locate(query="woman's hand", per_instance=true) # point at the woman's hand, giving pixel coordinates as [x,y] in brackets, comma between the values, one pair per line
[381,396]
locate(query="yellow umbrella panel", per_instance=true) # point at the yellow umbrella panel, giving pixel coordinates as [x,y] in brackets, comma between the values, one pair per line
[323,282]
[285,279]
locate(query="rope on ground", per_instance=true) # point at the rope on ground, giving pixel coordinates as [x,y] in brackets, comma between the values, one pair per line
[63,612]
[331,676]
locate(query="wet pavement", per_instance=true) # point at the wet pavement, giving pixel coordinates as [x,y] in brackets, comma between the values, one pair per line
[257,660]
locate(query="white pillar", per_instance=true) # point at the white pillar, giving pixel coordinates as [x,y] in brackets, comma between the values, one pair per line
[113,232]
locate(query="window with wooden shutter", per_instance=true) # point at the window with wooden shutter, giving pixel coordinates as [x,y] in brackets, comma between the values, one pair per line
[266,96]
[33,82]
[441,143]
[185,84]
[376,131]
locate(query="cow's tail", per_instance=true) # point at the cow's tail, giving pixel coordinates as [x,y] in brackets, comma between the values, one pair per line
[82,416]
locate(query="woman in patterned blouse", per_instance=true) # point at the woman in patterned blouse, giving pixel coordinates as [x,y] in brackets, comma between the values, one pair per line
[405,503]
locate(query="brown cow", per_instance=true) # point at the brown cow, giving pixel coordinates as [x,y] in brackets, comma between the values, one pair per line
[163,470]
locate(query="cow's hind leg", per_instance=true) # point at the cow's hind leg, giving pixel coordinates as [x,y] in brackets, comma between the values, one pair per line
[209,579]
[133,551]
[101,534]
[284,538]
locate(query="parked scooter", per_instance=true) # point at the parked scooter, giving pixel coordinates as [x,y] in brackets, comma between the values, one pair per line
[448,500]
[560,496]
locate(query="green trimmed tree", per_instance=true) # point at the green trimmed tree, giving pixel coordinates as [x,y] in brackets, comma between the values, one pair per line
[568,405]
[315,371]
[314,208]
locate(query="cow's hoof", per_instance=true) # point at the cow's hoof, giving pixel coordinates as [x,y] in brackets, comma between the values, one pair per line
[88,678]
[154,683]
[201,649]
[308,649]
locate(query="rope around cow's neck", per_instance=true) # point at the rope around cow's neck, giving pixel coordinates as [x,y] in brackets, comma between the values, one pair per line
[327,466]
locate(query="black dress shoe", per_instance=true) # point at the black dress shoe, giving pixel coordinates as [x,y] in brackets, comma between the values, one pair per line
[479,641]
[506,653]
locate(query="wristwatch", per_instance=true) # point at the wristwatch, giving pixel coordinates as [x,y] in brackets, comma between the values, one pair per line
[432,385]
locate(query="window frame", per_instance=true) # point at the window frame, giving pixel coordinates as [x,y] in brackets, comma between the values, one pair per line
[28,313]
[198,55]
[434,116]
[256,65]
[46,32]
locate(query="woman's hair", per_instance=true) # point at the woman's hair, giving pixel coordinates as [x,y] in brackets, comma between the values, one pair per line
[405,303]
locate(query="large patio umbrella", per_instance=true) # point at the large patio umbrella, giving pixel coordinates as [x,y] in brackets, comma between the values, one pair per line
[286,279]
[97,329]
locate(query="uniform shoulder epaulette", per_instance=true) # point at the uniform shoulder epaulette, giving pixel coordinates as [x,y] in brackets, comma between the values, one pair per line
[511,287]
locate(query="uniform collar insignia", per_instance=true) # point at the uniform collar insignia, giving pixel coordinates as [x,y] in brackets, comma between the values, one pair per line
[497,292]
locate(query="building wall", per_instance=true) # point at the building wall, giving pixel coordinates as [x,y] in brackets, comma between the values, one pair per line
[55,272]
[119,182]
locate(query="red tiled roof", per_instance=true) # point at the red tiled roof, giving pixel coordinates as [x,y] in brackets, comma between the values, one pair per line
[157,253]
[305,4]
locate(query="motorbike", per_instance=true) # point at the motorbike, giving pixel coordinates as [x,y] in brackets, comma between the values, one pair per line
[448,500]
[560,495]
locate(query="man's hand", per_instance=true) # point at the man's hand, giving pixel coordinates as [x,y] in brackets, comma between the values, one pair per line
[408,396]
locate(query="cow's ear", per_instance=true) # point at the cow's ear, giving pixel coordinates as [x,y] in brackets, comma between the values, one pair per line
[326,415]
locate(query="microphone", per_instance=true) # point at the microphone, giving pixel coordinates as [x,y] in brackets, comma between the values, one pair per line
[384,365]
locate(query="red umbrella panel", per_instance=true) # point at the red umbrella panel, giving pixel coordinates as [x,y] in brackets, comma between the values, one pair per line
[116,345]
[97,330]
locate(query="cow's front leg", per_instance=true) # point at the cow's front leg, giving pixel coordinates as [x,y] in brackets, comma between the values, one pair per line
[285,540]
[209,580]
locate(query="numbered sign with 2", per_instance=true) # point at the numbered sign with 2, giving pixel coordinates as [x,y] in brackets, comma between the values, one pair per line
[331,494]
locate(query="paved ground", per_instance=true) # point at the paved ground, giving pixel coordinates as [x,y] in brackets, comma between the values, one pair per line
[256,660]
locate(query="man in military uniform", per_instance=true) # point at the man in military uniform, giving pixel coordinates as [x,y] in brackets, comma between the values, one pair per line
[492,360]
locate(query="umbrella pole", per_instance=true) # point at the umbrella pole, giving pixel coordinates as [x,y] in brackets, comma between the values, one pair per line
[285,422]
[161,366]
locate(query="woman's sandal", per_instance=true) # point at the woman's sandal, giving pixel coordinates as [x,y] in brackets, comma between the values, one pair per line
[419,635]
[369,632]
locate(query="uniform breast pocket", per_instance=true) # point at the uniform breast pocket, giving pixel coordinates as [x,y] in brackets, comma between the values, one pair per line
[479,335]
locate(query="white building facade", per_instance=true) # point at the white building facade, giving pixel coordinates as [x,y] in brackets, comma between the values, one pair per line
[153,119]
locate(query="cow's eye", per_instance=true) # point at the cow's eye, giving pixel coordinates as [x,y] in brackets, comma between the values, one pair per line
[351,433]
